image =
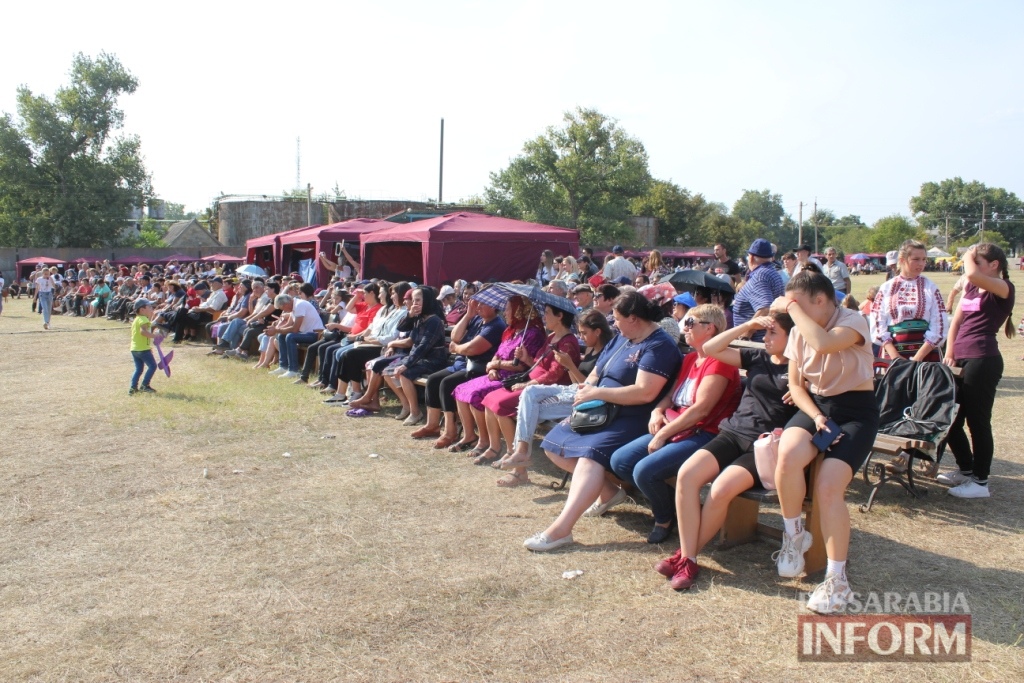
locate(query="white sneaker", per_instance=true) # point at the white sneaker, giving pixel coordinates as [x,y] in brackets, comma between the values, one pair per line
[831,596]
[599,508]
[277,371]
[540,543]
[970,489]
[288,374]
[790,559]
[953,478]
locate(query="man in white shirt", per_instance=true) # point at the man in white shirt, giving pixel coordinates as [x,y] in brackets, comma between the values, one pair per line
[197,316]
[304,328]
[619,266]
[836,271]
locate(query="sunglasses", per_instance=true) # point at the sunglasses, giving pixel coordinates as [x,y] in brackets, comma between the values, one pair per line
[689,322]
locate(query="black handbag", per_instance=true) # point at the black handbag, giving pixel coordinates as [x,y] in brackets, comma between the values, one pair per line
[593,419]
[512,380]
[597,418]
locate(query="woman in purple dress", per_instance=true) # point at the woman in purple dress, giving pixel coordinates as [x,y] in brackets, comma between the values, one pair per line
[524,329]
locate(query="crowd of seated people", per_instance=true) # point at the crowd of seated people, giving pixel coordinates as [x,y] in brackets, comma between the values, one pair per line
[478,378]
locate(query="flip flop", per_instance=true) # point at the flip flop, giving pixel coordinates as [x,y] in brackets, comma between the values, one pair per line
[359,412]
[510,462]
[512,480]
[481,460]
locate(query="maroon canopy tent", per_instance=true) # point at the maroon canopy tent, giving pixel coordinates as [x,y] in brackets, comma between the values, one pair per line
[25,266]
[265,251]
[470,246]
[134,260]
[308,243]
[224,258]
[180,258]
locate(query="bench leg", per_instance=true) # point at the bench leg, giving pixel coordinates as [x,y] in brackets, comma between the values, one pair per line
[816,558]
[740,523]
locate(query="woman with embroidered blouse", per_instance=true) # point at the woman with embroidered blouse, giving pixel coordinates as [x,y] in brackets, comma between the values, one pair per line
[909,314]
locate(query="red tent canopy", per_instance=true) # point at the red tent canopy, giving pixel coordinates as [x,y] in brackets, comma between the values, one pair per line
[181,258]
[265,251]
[26,265]
[224,258]
[308,243]
[470,246]
[134,260]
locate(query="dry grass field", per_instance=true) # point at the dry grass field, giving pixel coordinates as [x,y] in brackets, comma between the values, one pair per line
[166,538]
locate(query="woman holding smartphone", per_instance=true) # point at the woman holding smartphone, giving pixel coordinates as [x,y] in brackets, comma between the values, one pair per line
[831,381]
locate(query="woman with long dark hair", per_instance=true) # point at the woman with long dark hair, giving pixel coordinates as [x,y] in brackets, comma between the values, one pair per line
[986,305]
[428,354]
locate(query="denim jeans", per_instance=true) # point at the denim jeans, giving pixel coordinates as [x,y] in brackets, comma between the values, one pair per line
[288,346]
[542,402]
[632,463]
[143,358]
[46,305]
[231,334]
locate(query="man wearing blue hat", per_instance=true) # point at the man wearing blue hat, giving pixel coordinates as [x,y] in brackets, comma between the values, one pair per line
[619,266]
[762,286]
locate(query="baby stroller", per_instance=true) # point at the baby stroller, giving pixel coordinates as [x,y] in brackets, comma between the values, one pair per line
[917,403]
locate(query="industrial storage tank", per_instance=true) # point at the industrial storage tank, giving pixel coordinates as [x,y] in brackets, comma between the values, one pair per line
[241,218]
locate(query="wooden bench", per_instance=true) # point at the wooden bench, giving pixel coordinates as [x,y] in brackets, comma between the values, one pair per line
[906,458]
[742,523]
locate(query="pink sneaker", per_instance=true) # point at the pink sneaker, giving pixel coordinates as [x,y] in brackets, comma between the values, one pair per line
[669,567]
[686,575]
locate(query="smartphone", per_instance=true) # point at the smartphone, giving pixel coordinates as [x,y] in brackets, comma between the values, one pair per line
[824,438]
[587,405]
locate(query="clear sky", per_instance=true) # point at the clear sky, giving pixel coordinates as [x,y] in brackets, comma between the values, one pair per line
[855,104]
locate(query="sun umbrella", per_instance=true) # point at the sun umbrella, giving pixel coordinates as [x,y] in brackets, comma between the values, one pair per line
[496,295]
[688,280]
[860,257]
[251,270]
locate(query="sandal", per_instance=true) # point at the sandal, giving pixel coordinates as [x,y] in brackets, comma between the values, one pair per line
[402,416]
[445,442]
[512,480]
[510,461]
[477,452]
[481,460]
[462,446]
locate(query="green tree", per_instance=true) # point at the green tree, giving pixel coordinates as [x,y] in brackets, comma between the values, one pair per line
[65,178]
[976,238]
[890,232]
[150,235]
[961,204]
[850,239]
[583,175]
[763,209]
[679,213]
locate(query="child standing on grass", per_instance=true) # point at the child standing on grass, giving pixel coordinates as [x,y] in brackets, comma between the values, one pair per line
[142,349]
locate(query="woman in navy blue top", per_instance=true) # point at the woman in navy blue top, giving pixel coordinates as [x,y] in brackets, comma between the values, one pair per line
[632,372]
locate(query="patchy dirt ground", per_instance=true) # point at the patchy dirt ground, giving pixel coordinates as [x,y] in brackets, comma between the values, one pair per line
[167,538]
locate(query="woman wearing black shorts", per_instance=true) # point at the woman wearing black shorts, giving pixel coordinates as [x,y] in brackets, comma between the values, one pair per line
[762,408]
[831,377]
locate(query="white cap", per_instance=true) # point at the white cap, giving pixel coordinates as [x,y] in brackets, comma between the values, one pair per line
[446,290]
[892,257]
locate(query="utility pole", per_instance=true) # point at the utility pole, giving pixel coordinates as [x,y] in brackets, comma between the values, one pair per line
[947,233]
[440,172]
[984,206]
[309,204]
[298,162]
[814,219]
[800,226]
